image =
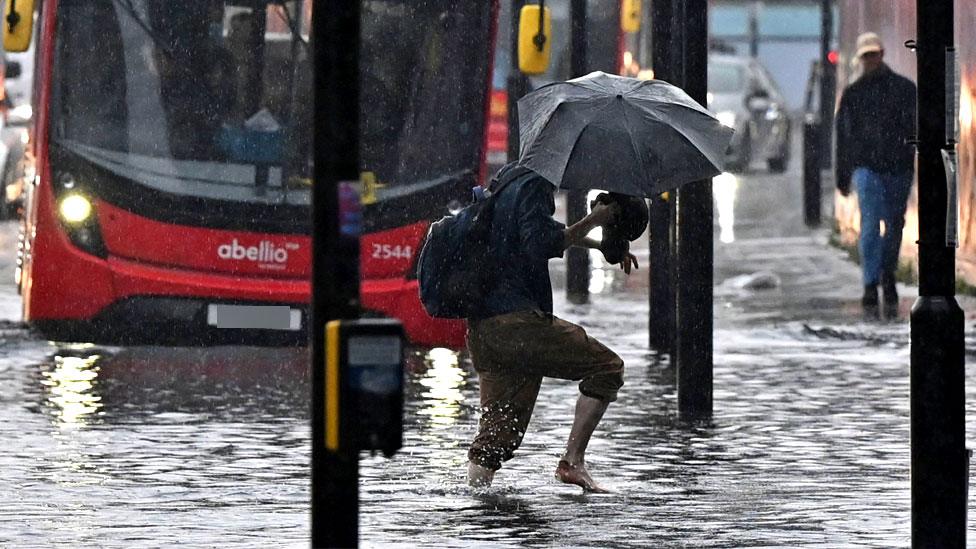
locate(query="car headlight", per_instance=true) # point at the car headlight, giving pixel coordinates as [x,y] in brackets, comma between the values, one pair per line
[75,208]
[726,118]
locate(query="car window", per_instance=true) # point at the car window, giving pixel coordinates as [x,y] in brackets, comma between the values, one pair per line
[726,77]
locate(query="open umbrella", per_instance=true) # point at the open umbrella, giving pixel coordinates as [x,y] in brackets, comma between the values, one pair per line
[635,137]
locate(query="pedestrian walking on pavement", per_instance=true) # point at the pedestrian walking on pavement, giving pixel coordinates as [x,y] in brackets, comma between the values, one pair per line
[515,340]
[875,121]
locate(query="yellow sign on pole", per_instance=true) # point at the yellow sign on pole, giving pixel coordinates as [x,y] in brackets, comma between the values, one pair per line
[535,39]
[332,359]
[18,22]
[630,15]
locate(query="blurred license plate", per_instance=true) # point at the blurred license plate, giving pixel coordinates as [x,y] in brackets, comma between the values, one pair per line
[250,317]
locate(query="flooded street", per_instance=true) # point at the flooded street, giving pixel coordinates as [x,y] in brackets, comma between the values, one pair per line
[809,446]
[153,447]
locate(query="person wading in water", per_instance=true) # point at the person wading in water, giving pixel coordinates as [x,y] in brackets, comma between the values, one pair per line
[515,340]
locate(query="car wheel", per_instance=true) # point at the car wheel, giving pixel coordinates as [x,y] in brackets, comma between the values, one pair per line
[779,163]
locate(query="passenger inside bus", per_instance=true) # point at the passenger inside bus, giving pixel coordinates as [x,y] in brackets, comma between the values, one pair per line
[241,45]
[252,130]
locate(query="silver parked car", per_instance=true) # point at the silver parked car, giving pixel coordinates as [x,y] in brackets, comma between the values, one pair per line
[744,97]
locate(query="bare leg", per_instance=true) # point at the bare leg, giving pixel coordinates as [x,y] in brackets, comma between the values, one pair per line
[572,468]
[478,476]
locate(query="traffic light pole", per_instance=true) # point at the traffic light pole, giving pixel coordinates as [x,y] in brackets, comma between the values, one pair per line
[577,258]
[335,258]
[827,86]
[660,321]
[694,242]
[939,474]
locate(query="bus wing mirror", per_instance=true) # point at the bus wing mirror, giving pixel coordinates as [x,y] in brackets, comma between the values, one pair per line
[18,22]
[535,39]
[630,15]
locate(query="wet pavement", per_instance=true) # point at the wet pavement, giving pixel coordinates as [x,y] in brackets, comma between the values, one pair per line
[809,445]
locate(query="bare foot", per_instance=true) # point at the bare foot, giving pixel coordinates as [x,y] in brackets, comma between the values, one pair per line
[478,476]
[578,475]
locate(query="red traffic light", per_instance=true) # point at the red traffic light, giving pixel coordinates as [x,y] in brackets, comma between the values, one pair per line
[832,57]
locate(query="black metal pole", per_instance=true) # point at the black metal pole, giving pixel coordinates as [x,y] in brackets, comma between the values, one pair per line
[517,83]
[827,85]
[335,263]
[577,258]
[660,321]
[939,476]
[812,138]
[694,258]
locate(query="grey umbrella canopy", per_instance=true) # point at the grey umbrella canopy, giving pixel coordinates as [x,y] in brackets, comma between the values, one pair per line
[636,137]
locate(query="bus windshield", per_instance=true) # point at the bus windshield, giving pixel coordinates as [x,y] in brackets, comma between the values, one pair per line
[213,98]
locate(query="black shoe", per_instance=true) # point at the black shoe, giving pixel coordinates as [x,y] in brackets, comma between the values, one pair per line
[870,300]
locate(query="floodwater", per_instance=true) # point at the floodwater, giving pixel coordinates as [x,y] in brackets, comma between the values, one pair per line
[209,447]
[153,447]
[809,444]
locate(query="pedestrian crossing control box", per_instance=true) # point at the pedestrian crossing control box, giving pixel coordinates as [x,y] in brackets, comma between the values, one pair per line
[364,385]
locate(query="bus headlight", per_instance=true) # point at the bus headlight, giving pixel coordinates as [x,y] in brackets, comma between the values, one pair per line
[78,215]
[75,208]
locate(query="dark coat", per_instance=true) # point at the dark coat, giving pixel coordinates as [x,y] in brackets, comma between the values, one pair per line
[875,120]
[524,238]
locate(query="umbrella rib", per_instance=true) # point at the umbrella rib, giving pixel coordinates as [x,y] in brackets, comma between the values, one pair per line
[552,116]
[563,83]
[530,146]
[694,106]
[680,132]
[549,119]
[633,142]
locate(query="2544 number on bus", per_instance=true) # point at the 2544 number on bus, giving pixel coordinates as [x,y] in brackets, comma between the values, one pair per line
[389,251]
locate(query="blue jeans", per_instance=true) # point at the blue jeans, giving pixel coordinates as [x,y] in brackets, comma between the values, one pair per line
[881,197]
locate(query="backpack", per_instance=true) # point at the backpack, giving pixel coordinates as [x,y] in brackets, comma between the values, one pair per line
[455,268]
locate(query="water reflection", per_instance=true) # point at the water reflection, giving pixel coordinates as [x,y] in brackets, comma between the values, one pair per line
[601,273]
[443,380]
[108,445]
[724,188]
[89,385]
[71,388]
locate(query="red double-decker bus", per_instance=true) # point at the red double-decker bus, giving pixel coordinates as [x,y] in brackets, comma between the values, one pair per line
[169,178]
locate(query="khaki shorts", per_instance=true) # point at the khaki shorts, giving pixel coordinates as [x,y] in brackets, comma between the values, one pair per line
[512,353]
